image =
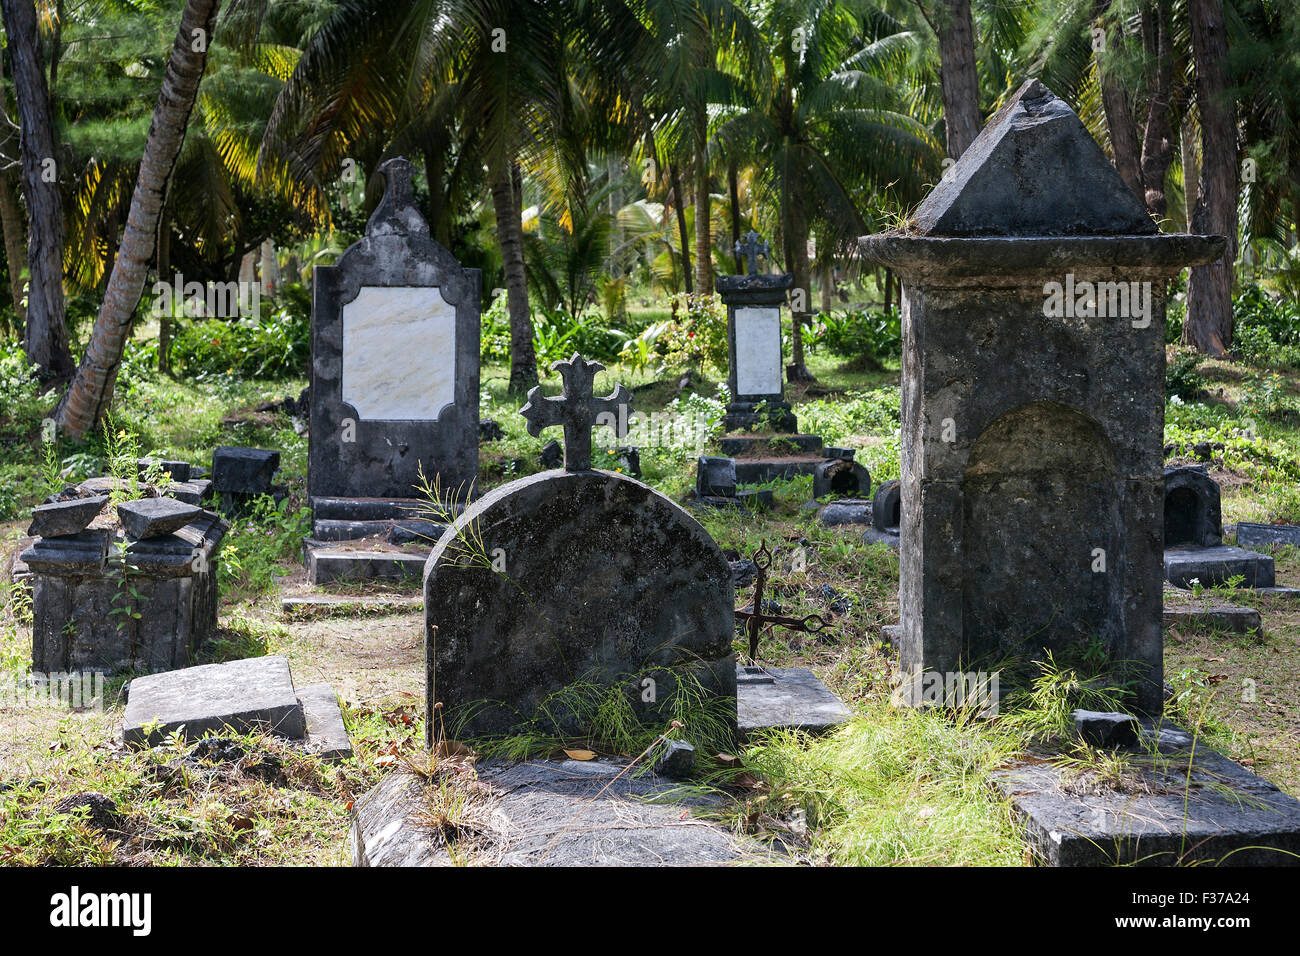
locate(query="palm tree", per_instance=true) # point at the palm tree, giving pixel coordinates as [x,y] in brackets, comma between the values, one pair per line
[828,130]
[92,388]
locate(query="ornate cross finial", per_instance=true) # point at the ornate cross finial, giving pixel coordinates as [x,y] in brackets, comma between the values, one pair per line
[750,248]
[577,409]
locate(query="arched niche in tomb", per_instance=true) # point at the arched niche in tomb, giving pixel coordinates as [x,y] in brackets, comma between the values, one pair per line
[1192,508]
[1037,477]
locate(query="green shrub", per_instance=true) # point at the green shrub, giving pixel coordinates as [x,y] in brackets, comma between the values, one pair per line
[276,345]
[858,334]
[1182,377]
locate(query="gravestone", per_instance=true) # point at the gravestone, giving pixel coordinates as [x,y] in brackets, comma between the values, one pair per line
[1194,550]
[1033,376]
[573,575]
[395,372]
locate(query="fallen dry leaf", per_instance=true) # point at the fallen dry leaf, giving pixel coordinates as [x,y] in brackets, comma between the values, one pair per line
[581,754]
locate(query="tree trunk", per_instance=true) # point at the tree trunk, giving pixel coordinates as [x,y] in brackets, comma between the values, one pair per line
[92,389]
[46,334]
[1157,139]
[11,219]
[960,82]
[434,171]
[510,236]
[1208,325]
[703,223]
[733,194]
[1191,168]
[796,257]
[1120,126]
[683,235]
[164,275]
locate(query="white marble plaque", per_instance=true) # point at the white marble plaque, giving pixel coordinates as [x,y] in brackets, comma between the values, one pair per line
[758,350]
[399,353]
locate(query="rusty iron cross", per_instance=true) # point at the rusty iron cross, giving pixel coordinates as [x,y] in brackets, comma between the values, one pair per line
[750,248]
[577,409]
[754,618]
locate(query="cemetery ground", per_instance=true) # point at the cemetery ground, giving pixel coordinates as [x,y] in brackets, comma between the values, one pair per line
[895,786]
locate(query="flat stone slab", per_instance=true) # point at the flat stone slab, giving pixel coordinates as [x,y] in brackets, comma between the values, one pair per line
[551,813]
[193,492]
[154,517]
[326,565]
[1220,617]
[244,695]
[846,511]
[1213,566]
[737,446]
[65,517]
[888,538]
[757,471]
[791,698]
[327,735]
[339,605]
[760,499]
[1253,535]
[1226,816]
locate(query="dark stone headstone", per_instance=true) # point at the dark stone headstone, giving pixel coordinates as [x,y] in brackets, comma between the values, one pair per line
[552,455]
[567,577]
[886,506]
[715,477]
[1192,511]
[395,359]
[1032,467]
[65,517]
[490,430]
[755,368]
[152,517]
[244,471]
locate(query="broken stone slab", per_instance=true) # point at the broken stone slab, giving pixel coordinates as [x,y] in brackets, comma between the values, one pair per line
[676,761]
[67,554]
[1253,535]
[245,695]
[547,813]
[790,698]
[240,470]
[1217,616]
[193,492]
[65,517]
[153,517]
[178,470]
[760,499]
[848,511]
[1211,566]
[1227,816]
[758,471]
[1106,728]
[327,735]
[890,539]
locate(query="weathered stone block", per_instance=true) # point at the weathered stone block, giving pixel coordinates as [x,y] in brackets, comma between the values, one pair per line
[244,471]
[65,517]
[152,517]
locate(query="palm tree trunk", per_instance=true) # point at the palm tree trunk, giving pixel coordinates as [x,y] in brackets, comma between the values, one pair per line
[46,334]
[11,219]
[1191,169]
[733,194]
[703,223]
[165,320]
[796,257]
[1208,325]
[1119,116]
[1157,139]
[510,236]
[958,78]
[683,234]
[92,389]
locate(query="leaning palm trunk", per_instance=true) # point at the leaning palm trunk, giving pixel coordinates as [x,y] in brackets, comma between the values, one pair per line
[92,389]
[796,257]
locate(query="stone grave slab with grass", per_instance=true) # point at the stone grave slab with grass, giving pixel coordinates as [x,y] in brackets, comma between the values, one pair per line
[554,600]
[394,394]
[252,695]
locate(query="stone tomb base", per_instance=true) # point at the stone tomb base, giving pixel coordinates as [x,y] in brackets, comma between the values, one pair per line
[548,813]
[1226,817]
[785,698]
[1211,566]
[369,539]
[246,695]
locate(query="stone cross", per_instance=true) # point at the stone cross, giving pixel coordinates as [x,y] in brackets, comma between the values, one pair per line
[577,410]
[750,248]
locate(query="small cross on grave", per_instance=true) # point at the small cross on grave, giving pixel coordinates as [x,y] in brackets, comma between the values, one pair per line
[754,617]
[750,248]
[577,409]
